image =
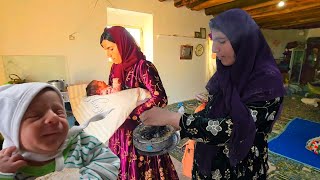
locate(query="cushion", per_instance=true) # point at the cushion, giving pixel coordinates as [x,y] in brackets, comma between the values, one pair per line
[314,145]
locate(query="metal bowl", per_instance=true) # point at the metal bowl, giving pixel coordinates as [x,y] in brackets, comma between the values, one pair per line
[59,84]
[153,140]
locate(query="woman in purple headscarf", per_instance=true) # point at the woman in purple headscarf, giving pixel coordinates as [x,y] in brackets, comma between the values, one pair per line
[130,69]
[245,99]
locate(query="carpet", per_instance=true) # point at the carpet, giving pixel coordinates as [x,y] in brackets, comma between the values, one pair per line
[292,141]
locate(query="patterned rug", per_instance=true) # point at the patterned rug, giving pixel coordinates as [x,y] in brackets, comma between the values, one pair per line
[280,167]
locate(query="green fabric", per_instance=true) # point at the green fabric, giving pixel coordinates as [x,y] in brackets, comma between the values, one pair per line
[6,177]
[67,150]
[314,89]
[37,171]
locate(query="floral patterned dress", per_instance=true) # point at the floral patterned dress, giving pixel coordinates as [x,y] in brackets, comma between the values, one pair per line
[217,132]
[133,165]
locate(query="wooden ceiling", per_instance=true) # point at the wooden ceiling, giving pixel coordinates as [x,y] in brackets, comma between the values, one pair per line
[296,14]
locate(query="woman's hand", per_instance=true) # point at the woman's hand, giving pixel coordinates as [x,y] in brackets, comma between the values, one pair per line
[108,90]
[157,116]
[9,161]
[111,90]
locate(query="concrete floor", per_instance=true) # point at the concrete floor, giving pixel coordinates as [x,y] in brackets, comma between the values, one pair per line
[72,174]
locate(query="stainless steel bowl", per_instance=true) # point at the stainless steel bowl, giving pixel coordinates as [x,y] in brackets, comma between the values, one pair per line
[153,141]
[59,84]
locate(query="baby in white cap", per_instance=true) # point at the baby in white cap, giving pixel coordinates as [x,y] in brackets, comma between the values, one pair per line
[37,139]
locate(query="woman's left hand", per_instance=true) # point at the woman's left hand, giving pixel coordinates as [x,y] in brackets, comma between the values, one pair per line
[157,116]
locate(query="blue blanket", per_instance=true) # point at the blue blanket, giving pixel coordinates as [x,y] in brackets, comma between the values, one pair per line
[291,143]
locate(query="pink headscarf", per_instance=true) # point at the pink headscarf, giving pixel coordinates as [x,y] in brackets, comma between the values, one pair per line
[129,51]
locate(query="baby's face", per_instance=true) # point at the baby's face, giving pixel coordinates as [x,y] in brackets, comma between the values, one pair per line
[102,88]
[44,126]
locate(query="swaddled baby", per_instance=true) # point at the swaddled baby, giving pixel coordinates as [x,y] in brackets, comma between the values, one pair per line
[100,97]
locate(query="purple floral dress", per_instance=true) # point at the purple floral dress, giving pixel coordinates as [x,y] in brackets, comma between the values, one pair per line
[133,165]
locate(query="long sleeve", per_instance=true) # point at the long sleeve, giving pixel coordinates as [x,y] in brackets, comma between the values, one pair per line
[206,130]
[148,78]
[218,131]
[95,160]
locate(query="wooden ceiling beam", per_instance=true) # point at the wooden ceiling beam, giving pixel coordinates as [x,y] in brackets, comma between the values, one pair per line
[261,5]
[306,26]
[289,17]
[179,3]
[196,3]
[290,14]
[303,26]
[187,3]
[296,14]
[296,8]
[202,4]
[234,4]
[284,25]
[272,6]
[292,23]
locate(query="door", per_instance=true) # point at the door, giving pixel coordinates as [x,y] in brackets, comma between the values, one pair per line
[296,65]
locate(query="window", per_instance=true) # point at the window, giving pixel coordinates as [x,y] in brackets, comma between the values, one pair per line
[140,26]
[211,65]
[136,33]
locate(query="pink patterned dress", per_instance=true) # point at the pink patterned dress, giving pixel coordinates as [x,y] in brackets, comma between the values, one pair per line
[133,165]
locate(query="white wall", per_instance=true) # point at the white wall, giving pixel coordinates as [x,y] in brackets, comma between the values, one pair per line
[187,77]
[278,39]
[35,68]
[314,32]
[37,27]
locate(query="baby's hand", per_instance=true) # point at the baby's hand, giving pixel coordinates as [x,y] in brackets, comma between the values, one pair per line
[111,90]
[114,90]
[10,162]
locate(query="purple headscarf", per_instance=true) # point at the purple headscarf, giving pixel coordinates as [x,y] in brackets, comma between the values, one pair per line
[253,77]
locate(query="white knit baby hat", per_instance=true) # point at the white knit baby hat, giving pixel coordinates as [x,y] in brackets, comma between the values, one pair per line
[14,101]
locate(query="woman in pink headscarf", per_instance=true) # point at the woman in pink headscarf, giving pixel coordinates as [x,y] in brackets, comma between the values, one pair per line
[131,69]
